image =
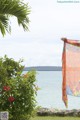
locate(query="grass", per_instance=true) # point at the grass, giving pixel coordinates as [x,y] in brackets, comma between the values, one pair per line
[55,118]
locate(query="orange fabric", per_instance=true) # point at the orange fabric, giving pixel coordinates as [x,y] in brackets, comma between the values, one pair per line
[70,69]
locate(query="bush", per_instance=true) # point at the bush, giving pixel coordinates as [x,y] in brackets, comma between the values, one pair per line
[17,90]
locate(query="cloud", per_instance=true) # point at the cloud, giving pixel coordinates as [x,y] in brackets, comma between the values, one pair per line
[42,45]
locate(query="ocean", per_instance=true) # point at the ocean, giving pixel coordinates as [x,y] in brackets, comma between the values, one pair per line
[50,93]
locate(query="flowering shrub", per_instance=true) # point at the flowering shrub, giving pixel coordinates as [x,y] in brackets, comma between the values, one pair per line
[17,90]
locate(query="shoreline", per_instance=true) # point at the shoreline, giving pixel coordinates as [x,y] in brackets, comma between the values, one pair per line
[43,68]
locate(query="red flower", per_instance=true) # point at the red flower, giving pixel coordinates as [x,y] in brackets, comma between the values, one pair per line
[11,99]
[6,88]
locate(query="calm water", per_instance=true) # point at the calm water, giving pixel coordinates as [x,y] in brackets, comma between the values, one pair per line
[50,93]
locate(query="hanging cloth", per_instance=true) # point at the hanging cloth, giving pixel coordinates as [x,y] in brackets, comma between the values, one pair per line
[70,69]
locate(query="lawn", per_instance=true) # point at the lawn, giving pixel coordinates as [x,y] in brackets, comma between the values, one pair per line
[56,118]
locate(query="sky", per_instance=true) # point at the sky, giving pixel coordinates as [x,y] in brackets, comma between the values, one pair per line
[50,20]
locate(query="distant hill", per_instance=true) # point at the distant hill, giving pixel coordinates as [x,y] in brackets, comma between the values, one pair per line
[44,68]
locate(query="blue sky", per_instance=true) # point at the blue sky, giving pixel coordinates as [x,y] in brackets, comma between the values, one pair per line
[42,46]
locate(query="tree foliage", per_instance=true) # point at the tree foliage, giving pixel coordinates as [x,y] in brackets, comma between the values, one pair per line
[17,90]
[13,8]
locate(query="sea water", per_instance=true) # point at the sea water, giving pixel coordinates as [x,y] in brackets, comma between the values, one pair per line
[50,93]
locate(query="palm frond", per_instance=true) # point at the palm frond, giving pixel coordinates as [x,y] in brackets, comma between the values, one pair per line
[4,25]
[2,28]
[15,8]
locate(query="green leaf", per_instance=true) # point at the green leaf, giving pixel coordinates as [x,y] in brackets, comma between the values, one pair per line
[13,8]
